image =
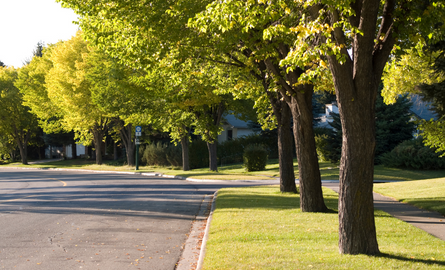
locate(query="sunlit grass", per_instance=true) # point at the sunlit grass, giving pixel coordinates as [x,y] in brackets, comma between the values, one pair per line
[328,171]
[427,194]
[260,228]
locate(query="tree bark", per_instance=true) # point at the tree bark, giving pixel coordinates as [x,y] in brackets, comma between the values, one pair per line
[98,136]
[21,138]
[283,114]
[74,149]
[356,104]
[299,99]
[130,145]
[311,194]
[285,148]
[23,148]
[213,159]
[185,153]
[357,232]
[114,151]
[356,81]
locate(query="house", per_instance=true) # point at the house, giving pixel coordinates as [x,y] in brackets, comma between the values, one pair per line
[234,128]
[325,119]
[420,110]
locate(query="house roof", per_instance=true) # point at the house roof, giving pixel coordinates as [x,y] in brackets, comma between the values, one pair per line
[422,109]
[235,122]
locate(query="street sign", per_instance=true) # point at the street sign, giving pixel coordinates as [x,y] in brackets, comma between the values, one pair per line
[137,141]
[138,131]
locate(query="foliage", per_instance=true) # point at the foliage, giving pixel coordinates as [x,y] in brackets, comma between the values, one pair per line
[404,74]
[199,154]
[255,157]
[413,154]
[393,124]
[16,122]
[155,154]
[321,142]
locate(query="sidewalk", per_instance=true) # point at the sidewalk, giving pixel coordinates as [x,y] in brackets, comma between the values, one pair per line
[431,222]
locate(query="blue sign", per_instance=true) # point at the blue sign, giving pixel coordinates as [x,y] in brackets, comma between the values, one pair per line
[138,131]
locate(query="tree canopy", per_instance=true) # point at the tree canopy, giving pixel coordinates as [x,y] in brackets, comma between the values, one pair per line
[293,41]
[16,120]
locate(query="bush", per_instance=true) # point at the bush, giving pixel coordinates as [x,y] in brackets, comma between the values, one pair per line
[173,154]
[321,143]
[413,154]
[198,154]
[231,151]
[255,157]
[154,154]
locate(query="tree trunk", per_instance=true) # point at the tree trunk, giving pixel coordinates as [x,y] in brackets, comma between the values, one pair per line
[357,232]
[311,194]
[285,149]
[185,153]
[299,99]
[356,103]
[23,148]
[98,136]
[213,159]
[114,151]
[74,149]
[130,145]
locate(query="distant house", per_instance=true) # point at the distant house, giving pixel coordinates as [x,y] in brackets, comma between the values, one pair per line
[65,151]
[234,128]
[325,119]
[420,110]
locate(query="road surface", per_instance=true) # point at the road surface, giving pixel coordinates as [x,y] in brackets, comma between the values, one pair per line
[87,220]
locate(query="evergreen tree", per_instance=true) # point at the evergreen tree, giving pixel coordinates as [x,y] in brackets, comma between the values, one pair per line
[393,126]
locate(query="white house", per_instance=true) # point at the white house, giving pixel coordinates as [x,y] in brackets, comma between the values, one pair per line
[234,128]
[327,117]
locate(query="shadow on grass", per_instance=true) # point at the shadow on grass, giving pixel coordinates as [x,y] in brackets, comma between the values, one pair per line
[431,204]
[401,258]
[270,202]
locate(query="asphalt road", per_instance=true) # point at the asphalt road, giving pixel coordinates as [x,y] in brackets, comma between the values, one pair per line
[83,220]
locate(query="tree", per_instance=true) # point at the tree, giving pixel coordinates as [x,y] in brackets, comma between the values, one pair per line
[193,95]
[2,64]
[56,88]
[421,72]
[434,92]
[16,121]
[369,30]
[393,126]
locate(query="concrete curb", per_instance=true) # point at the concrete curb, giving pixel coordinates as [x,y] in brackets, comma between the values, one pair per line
[206,234]
[195,241]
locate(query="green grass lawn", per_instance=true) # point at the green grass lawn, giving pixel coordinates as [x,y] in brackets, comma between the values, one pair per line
[328,170]
[427,194]
[260,228]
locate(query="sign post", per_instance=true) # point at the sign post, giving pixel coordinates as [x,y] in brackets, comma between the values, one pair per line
[137,142]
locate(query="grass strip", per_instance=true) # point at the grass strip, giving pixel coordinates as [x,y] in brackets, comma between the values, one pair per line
[328,170]
[426,194]
[260,228]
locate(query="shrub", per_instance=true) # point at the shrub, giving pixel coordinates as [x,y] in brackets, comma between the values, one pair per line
[255,157]
[321,143]
[231,151]
[198,154]
[413,154]
[173,154]
[154,154]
